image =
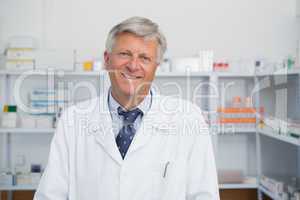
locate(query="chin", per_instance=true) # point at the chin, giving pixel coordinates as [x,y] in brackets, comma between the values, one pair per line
[132,91]
[127,91]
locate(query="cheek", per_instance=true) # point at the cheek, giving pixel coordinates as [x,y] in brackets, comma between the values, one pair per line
[114,65]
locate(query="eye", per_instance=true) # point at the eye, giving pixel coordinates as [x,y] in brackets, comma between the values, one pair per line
[124,54]
[145,59]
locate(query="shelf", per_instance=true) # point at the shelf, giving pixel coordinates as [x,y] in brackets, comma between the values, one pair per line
[228,131]
[238,186]
[183,74]
[221,186]
[18,187]
[203,74]
[273,134]
[44,72]
[233,75]
[27,130]
[268,193]
[281,73]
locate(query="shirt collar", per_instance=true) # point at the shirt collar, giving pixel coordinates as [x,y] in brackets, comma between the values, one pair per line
[144,106]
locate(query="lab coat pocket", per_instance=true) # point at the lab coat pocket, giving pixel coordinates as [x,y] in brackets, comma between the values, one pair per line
[169,181]
[161,180]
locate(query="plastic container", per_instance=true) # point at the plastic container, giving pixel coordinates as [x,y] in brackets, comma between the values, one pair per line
[9,116]
[6,179]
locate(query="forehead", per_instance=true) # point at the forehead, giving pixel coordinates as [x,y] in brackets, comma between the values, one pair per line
[131,41]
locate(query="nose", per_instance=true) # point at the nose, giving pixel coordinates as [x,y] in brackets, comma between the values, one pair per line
[133,64]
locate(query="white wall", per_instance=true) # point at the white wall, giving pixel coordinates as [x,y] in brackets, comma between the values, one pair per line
[234,29]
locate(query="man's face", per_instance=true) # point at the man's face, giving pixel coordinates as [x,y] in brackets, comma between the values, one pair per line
[131,64]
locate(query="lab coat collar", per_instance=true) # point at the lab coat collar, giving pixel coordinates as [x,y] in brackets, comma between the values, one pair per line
[144,106]
[151,124]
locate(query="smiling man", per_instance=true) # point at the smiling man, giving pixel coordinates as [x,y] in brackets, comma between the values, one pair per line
[132,62]
[134,144]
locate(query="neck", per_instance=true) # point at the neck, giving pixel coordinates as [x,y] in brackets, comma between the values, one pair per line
[128,102]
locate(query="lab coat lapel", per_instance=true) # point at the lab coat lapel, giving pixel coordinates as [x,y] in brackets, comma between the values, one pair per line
[104,135]
[151,125]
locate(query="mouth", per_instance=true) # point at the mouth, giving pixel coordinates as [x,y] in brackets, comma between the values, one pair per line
[130,76]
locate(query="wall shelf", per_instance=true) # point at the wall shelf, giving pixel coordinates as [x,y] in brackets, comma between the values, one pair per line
[238,186]
[233,75]
[237,131]
[18,187]
[221,186]
[27,130]
[283,72]
[42,72]
[273,134]
[183,74]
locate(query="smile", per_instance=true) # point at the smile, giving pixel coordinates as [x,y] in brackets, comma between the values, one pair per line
[129,76]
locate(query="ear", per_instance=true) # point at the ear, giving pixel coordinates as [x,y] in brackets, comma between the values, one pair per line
[106,59]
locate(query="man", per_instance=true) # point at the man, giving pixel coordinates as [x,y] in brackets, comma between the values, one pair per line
[133,144]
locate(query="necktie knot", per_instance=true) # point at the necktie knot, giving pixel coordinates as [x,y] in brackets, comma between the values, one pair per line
[129,116]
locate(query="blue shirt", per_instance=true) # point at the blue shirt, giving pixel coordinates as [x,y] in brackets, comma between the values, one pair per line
[117,120]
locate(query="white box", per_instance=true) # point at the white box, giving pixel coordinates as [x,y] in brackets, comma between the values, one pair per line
[27,121]
[6,179]
[35,178]
[206,61]
[44,122]
[19,53]
[23,179]
[19,64]
[9,120]
[185,64]
[28,178]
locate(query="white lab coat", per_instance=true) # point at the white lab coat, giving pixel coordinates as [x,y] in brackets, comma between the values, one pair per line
[170,157]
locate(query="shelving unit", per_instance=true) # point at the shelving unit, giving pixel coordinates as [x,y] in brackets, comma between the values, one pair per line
[245,143]
[279,93]
[34,143]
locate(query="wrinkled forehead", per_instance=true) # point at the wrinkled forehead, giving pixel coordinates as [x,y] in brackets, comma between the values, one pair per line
[148,41]
[146,38]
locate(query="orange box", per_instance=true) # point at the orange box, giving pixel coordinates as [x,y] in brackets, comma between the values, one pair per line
[236,120]
[236,110]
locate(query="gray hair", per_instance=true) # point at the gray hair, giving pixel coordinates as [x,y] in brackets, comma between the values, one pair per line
[141,27]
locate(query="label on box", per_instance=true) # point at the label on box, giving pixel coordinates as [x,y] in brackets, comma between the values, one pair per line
[20,53]
[19,64]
